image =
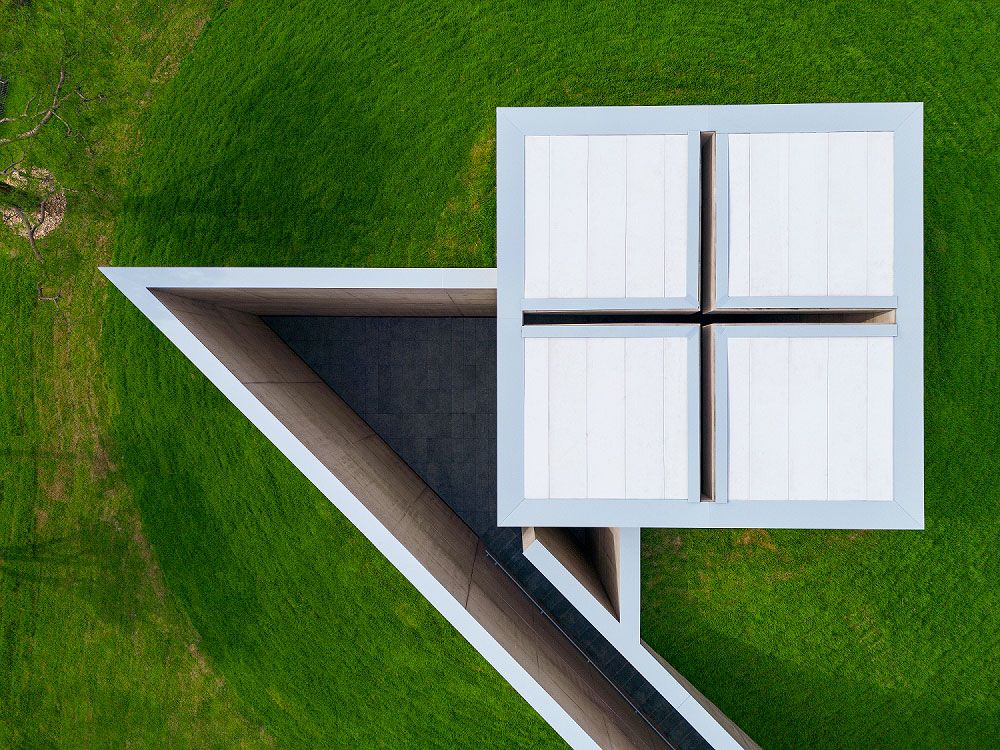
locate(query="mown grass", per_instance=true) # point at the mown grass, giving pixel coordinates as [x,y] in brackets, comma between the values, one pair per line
[98,645]
[359,134]
[362,134]
[94,650]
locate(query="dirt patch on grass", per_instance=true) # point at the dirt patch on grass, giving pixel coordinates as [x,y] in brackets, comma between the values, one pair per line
[166,69]
[201,670]
[200,667]
[55,490]
[195,31]
[756,538]
[780,575]
[153,572]
[458,237]
[49,214]
[101,465]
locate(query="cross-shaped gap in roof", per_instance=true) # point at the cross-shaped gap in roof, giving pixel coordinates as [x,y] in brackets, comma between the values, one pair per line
[703,317]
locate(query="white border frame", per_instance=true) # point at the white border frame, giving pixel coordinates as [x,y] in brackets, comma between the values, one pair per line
[903,511]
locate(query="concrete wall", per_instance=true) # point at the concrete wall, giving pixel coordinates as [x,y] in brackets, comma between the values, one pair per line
[402,302]
[578,559]
[541,548]
[414,514]
[743,739]
[707,413]
[593,556]
[604,547]
[708,220]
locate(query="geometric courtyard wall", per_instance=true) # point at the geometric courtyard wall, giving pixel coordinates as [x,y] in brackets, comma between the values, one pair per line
[414,514]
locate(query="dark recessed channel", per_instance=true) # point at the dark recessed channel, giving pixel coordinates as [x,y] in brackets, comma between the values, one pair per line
[701,317]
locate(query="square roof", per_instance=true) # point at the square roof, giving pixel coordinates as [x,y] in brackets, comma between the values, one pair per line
[809,412]
[810,218]
[790,208]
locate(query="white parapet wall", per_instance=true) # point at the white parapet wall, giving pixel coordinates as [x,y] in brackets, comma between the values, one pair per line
[211,316]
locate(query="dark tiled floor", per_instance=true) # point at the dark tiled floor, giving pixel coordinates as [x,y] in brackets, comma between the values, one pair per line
[428,387]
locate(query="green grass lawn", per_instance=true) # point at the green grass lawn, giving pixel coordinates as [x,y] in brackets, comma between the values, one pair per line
[145,602]
[166,568]
[94,649]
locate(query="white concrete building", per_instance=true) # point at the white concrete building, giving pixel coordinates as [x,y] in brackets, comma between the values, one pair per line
[706,317]
[615,220]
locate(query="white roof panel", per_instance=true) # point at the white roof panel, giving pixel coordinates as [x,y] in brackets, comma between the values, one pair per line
[607,217]
[809,418]
[810,214]
[607,416]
